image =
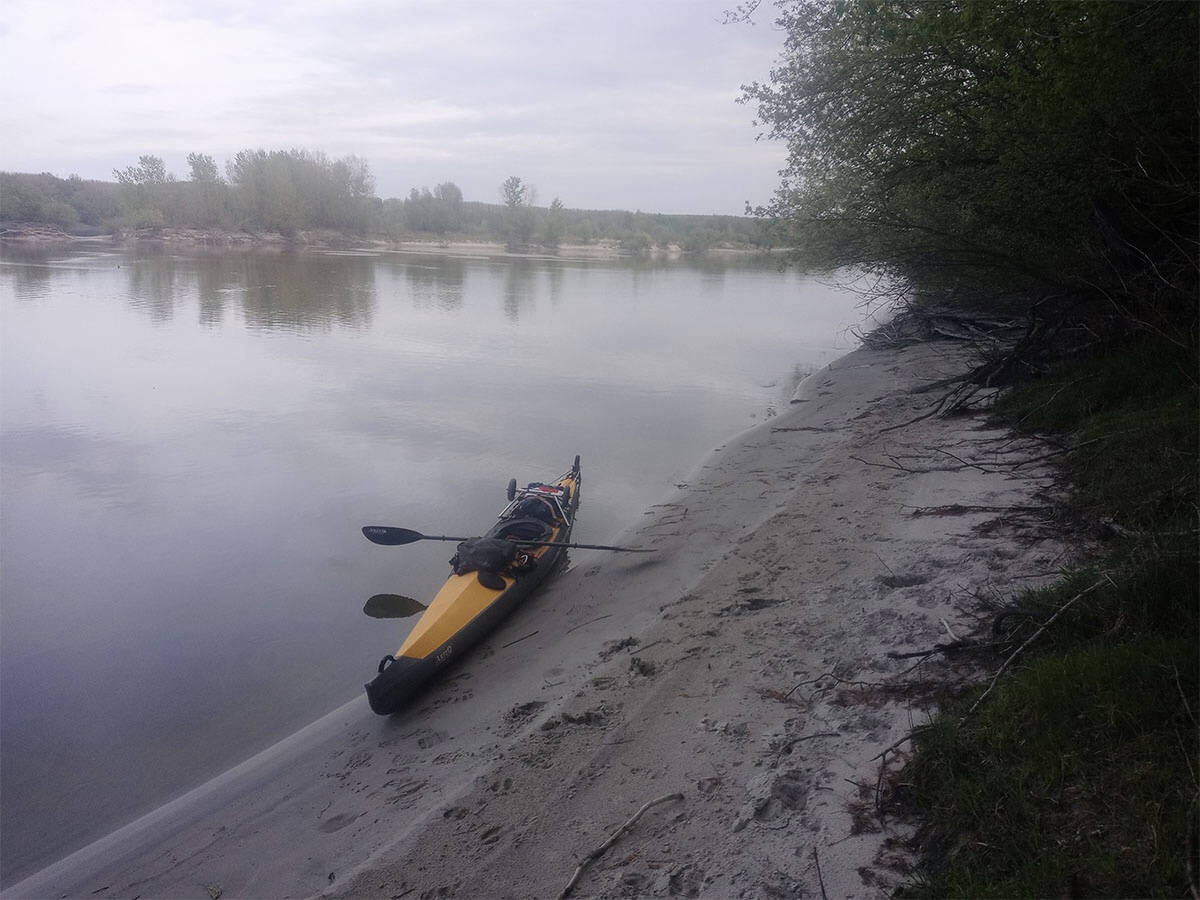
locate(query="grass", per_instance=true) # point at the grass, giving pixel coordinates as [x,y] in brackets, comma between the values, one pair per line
[1079,775]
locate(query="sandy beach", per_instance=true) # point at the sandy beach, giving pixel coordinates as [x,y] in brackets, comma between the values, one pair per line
[742,671]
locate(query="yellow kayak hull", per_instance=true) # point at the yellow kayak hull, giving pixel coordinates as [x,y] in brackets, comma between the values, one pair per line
[466,609]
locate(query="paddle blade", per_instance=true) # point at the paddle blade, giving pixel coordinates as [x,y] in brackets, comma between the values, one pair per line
[392,606]
[390,537]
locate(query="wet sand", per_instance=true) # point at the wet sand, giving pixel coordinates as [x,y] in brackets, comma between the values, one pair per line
[743,667]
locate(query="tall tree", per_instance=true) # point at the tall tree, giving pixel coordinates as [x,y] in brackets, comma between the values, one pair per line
[991,144]
[518,214]
[450,196]
[204,169]
[553,227]
[205,199]
[512,192]
[150,170]
[150,195]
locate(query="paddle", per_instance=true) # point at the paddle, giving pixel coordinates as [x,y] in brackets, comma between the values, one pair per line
[392,537]
[392,606]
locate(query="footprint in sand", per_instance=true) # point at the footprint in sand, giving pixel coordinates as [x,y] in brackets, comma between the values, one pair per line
[430,739]
[524,710]
[686,881]
[405,792]
[500,788]
[337,823]
[786,793]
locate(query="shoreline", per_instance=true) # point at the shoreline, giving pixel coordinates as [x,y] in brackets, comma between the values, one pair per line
[743,666]
[34,235]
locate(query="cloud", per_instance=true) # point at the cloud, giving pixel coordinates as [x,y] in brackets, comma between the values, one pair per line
[619,104]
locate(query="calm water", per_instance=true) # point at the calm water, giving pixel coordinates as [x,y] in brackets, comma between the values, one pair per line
[190,442]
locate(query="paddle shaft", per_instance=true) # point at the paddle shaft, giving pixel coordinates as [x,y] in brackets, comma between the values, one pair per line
[390,537]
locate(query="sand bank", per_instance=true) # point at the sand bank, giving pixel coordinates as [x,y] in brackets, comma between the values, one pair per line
[744,667]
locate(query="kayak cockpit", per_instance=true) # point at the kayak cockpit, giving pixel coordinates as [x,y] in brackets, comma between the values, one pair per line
[549,502]
[522,530]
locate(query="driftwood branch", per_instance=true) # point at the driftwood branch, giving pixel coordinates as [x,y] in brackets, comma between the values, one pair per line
[965,463]
[589,622]
[820,877]
[952,647]
[599,851]
[920,729]
[883,757]
[1033,637]
[894,465]
[958,509]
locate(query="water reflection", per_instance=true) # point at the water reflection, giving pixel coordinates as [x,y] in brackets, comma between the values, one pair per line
[519,276]
[392,606]
[265,291]
[152,285]
[433,282]
[556,282]
[303,291]
[34,268]
[31,275]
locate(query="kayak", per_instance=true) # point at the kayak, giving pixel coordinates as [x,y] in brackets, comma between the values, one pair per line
[491,576]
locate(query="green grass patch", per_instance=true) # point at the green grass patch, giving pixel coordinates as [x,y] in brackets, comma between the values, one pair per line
[1150,587]
[1134,420]
[1080,773]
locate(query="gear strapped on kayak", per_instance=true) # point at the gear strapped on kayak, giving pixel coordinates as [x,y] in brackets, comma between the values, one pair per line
[532,516]
[491,557]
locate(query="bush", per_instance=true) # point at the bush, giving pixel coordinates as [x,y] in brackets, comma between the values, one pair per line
[147,217]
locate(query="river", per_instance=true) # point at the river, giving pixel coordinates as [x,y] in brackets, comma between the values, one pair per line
[191,440]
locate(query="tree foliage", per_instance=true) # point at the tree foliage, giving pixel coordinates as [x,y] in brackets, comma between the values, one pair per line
[439,211]
[149,191]
[150,170]
[520,221]
[992,145]
[288,190]
[513,192]
[204,169]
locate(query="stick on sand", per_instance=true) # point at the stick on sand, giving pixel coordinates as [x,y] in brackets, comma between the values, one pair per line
[599,851]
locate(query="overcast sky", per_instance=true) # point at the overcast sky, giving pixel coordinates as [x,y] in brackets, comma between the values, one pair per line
[607,104]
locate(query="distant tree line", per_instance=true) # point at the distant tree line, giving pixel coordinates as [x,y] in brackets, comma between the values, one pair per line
[443,213]
[300,190]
